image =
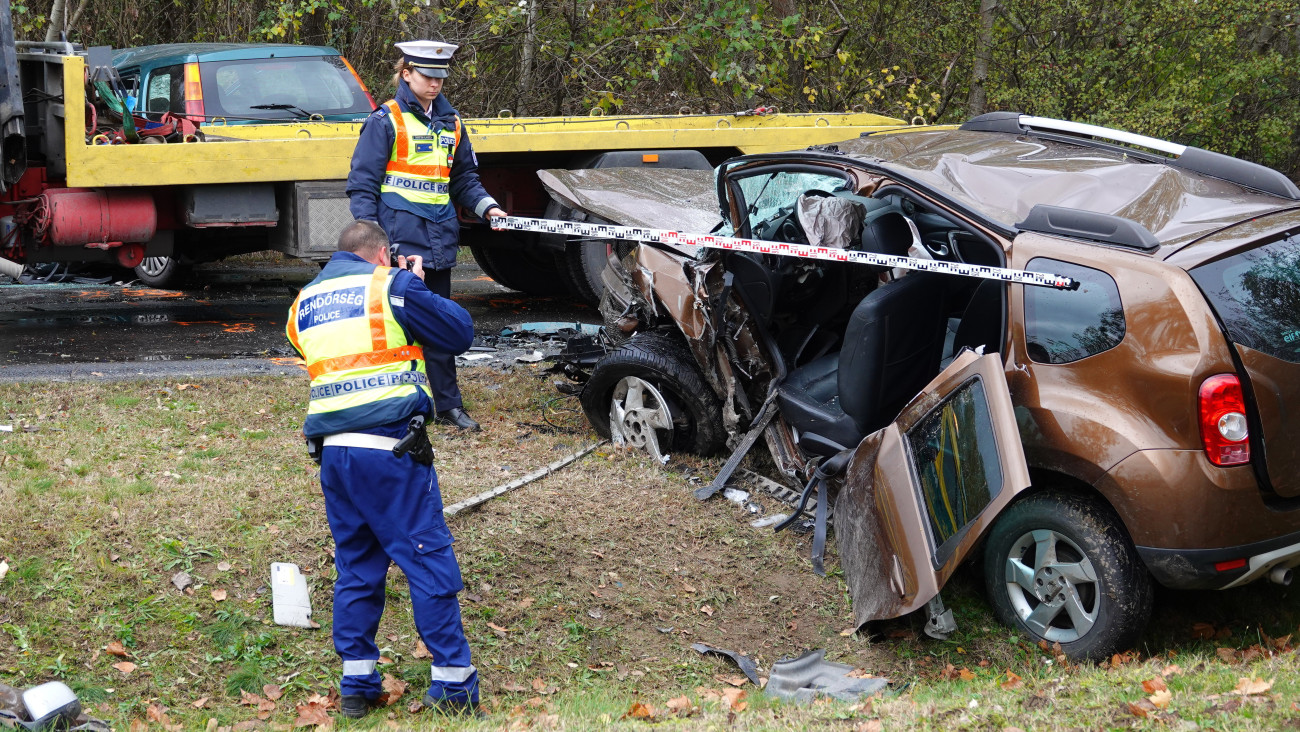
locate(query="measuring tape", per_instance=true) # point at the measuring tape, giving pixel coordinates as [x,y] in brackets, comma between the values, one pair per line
[803,251]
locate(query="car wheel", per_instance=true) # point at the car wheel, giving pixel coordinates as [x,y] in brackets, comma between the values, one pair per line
[1060,567]
[652,383]
[161,271]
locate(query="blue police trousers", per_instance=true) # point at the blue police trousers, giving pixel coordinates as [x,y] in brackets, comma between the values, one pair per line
[383,508]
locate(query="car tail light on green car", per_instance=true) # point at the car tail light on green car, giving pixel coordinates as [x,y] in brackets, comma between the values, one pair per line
[1224,431]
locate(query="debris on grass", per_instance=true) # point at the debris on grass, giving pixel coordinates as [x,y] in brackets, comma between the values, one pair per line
[290,601]
[805,678]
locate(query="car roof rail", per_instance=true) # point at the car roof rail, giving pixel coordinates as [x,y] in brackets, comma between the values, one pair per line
[1091,225]
[1215,165]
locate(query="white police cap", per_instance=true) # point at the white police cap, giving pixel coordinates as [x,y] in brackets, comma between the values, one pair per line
[431,58]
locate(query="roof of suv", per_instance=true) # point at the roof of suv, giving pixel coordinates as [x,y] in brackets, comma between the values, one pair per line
[184,52]
[1002,176]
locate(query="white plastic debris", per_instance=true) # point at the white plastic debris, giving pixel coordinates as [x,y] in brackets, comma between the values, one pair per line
[290,602]
[735,495]
[767,521]
[6,428]
[4,569]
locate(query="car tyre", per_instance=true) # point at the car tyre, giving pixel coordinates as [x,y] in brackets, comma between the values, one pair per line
[524,268]
[1060,567]
[161,272]
[668,366]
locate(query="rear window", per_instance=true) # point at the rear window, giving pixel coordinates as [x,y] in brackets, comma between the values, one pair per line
[1062,326]
[1257,296]
[315,84]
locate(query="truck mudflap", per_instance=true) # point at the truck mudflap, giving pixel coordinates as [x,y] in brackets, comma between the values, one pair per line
[13,141]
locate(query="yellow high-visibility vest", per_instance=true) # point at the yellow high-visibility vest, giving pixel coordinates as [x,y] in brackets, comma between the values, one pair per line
[364,372]
[419,166]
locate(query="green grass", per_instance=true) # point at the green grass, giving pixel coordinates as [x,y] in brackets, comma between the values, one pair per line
[569,583]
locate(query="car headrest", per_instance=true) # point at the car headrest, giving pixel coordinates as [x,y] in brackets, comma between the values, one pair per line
[885,231]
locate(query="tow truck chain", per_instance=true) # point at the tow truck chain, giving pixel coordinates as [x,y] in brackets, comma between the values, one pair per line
[783,249]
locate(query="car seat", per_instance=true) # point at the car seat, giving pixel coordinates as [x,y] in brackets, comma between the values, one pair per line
[891,349]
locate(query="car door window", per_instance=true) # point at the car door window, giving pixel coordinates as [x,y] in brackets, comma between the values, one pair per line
[1062,326]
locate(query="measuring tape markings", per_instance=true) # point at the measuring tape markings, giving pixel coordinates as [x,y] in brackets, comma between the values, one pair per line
[803,251]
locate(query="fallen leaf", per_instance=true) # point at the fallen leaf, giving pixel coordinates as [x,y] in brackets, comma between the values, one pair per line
[1151,686]
[1171,670]
[871,725]
[707,610]
[1141,708]
[965,674]
[498,628]
[157,713]
[681,706]
[639,711]
[421,650]
[219,595]
[224,566]
[272,692]
[200,703]
[514,687]
[117,649]
[138,725]
[732,680]
[848,632]
[385,659]
[394,688]
[1202,631]
[732,698]
[1161,698]
[313,715]
[526,603]
[125,667]
[1250,687]
[249,699]
[182,580]
[1227,655]
[415,707]
[1013,681]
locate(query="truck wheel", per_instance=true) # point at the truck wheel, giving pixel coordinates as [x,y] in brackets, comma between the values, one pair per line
[668,369]
[526,269]
[161,272]
[1060,567]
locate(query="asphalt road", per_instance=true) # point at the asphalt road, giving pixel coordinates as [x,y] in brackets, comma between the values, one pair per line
[227,320]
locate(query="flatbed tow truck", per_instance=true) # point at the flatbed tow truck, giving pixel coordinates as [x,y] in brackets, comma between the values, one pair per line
[68,194]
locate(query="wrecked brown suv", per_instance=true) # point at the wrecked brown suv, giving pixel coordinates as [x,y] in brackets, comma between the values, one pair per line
[1139,428]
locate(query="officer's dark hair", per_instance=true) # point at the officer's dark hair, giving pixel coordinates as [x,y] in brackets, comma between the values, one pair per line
[362,238]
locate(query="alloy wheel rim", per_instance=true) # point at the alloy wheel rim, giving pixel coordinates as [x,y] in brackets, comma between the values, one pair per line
[1053,586]
[153,266]
[639,416]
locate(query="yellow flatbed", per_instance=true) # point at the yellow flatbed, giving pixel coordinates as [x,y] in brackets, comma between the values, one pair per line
[322,150]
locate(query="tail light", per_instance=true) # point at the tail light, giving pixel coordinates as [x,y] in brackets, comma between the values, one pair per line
[357,76]
[193,93]
[1223,420]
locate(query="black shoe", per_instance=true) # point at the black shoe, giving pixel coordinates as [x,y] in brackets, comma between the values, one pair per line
[356,706]
[457,417]
[454,708]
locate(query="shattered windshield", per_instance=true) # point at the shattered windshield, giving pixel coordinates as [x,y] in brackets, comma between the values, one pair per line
[774,194]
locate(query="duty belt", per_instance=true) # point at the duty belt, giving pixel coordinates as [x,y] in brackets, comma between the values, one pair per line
[802,251]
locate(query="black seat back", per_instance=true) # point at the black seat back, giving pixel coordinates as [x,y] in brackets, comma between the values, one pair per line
[757,281]
[892,348]
[982,322]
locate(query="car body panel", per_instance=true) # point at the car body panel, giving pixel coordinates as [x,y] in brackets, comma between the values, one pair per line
[1003,176]
[1275,388]
[657,198]
[888,549]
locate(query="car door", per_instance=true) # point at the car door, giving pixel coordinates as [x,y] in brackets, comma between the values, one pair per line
[918,494]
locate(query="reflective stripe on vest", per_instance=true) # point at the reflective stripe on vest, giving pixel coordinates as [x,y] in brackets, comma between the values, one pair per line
[356,351]
[419,166]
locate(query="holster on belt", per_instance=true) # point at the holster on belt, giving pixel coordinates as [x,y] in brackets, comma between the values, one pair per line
[314,447]
[416,442]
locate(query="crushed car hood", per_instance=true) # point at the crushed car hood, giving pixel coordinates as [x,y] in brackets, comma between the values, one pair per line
[1004,176]
[657,198]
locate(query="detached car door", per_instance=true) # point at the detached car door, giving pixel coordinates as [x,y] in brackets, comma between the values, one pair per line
[918,494]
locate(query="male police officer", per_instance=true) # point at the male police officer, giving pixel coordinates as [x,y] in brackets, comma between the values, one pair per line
[412,163]
[365,330]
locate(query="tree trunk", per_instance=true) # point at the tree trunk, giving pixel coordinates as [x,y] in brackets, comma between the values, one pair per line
[983,56]
[526,59]
[58,14]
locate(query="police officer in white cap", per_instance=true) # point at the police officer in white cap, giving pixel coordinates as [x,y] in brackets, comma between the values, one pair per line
[412,165]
